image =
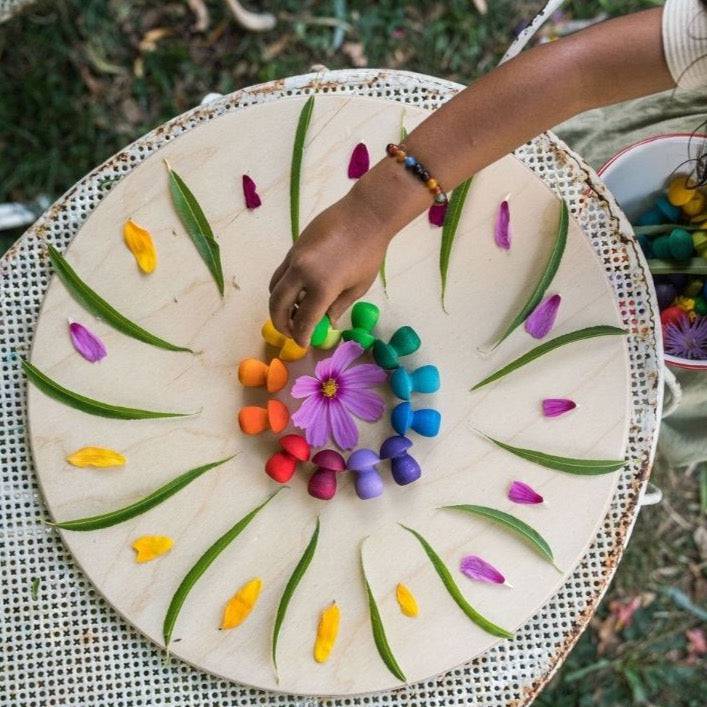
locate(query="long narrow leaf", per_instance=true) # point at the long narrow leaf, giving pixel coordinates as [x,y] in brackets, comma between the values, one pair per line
[546,278]
[194,221]
[379,637]
[449,230]
[88,405]
[511,523]
[202,564]
[305,117]
[95,304]
[290,587]
[106,520]
[578,335]
[451,586]
[581,467]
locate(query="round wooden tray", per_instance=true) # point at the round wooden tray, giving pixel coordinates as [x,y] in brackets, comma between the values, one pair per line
[180,302]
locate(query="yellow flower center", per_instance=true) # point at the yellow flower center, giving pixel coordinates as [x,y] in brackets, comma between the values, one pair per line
[329,387]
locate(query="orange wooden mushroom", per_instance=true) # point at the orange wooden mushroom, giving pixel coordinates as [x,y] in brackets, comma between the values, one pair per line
[254,373]
[253,419]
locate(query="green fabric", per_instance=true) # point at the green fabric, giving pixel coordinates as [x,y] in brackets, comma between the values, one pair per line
[597,135]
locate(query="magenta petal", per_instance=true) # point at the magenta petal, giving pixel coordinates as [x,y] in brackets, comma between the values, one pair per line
[364,375]
[359,162]
[553,407]
[436,214]
[502,231]
[86,343]
[542,318]
[476,568]
[346,353]
[252,200]
[522,493]
[304,386]
[343,429]
[365,404]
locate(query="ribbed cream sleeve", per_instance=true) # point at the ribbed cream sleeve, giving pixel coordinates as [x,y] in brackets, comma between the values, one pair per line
[685,42]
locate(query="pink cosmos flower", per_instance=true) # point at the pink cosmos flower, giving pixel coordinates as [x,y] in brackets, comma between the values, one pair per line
[336,393]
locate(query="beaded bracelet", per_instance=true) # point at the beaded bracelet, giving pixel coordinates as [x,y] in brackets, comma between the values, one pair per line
[419,170]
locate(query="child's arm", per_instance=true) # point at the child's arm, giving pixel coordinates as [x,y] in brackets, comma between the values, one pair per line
[338,255]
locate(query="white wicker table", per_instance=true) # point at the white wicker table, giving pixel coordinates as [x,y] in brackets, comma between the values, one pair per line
[68,647]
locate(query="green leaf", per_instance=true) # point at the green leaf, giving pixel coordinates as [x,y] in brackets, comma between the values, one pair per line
[379,637]
[95,304]
[546,278]
[296,170]
[34,590]
[511,523]
[194,221]
[106,520]
[290,587]
[578,335]
[454,591]
[88,405]
[581,467]
[449,230]
[202,564]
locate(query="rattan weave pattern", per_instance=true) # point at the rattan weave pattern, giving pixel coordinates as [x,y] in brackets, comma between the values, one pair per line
[69,648]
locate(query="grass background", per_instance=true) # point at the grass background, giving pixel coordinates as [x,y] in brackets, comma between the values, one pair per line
[81,79]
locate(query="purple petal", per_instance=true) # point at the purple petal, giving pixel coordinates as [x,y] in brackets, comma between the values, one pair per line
[252,200]
[359,163]
[476,568]
[365,375]
[522,493]
[346,353]
[502,231]
[343,429]
[86,343]
[305,386]
[365,404]
[553,407]
[542,318]
[436,214]
[308,412]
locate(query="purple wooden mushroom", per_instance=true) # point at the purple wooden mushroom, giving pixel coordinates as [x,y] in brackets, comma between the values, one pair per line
[405,469]
[322,483]
[369,483]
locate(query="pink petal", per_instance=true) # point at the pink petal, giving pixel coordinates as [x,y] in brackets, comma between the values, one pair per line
[252,200]
[553,407]
[86,343]
[476,568]
[365,404]
[343,429]
[305,386]
[436,214]
[522,493]
[502,231]
[308,412]
[346,353]
[365,375]
[359,163]
[542,318]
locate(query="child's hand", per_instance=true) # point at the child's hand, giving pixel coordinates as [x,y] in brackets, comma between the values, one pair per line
[332,264]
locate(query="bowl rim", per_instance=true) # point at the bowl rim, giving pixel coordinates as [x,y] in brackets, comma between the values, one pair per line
[675,361]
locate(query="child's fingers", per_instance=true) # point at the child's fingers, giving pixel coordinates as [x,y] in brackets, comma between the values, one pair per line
[343,302]
[282,301]
[279,272]
[310,310]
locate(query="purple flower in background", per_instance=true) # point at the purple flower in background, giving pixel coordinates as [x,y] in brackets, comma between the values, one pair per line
[252,200]
[359,162]
[436,214]
[86,343]
[336,393]
[502,230]
[480,570]
[522,493]
[554,407]
[686,339]
[542,318]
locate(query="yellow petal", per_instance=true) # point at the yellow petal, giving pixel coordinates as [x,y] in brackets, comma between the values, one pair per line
[406,601]
[98,457]
[148,547]
[241,604]
[139,242]
[327,631]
